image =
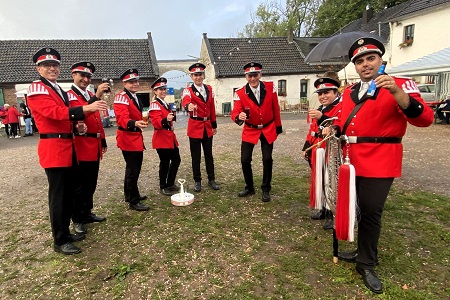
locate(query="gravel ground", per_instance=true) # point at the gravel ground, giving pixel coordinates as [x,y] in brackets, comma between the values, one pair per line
[24,188]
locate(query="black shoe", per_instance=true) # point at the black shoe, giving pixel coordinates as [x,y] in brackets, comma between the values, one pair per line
[67,249]
[167,192]
[348,256]
[246,192]
[72,238]
[265,197]
[174,189]
[320,215]
[142,198]
[197,186]
[91,218]
[329,224]
[79,228]
[212,184]
[139,207]
[371,280]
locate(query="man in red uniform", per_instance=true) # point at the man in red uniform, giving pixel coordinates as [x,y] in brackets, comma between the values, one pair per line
[375,132]
[49,105]
[198,99]
[128,110]
[90,145]
[329,97]
[256,105]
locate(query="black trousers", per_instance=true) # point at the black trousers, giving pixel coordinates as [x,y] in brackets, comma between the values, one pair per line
[372,194]
[246,161]
[196,155]
[169,161]
[14,127]
[7,129]
[85,189]
[61,187]
[133,160]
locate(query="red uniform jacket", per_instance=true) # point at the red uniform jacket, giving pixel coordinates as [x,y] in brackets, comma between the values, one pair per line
[88,146]
[205,109]
[128,111]
[266,114]
[163,135]
[4,117]
[330,111]
[382,117]
[13,115]
[53,116]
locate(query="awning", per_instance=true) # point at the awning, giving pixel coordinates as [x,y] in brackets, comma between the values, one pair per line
[431,64]
[21,93]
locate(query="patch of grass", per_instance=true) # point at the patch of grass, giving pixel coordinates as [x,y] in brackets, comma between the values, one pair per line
[225,247]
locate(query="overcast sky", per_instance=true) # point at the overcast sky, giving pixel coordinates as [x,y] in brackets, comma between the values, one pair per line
[176,25]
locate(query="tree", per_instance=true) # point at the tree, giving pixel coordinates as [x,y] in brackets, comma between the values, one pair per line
[275,18]
[335,14]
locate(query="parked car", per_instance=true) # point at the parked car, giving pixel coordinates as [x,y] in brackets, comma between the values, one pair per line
[427,91]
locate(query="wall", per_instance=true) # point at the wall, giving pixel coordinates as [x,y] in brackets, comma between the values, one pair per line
[431,34]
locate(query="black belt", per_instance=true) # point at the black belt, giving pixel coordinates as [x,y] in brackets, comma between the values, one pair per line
[87,134]
[374,139]
[124,129]
[204,119]
[261,126]
[56,135]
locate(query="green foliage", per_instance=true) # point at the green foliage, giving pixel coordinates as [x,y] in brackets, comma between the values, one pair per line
[335,14]
[275,19]
[121,271]
[308,17]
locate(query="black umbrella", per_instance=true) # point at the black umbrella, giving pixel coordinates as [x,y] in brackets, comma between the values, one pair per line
[337,46]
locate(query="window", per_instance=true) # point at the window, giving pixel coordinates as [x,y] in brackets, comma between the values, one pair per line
[2,99]
[409,34]
[282,88]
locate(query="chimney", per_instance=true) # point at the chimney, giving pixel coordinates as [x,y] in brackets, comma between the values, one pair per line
[290,37]
[367,15]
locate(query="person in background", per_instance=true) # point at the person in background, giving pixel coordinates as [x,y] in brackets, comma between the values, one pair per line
[13,119]
[198,99]
[444,106]
[49,105]
[106,122]
[27,119]
[128,110]
[329,97]
[256,105]
[5,119]
[375,129]
[164,139]
[89,146]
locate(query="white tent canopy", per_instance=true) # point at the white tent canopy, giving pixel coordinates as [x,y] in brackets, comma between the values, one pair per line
[431,64]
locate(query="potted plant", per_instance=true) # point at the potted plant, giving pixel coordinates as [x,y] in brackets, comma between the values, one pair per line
[406,43]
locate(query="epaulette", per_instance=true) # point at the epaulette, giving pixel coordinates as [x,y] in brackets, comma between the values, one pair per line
[154,105]
[408,85]
[236,96]
[120,99]
[72,96]
[186,93]
[36,88]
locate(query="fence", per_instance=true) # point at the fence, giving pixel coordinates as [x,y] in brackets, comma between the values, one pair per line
[294,105]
